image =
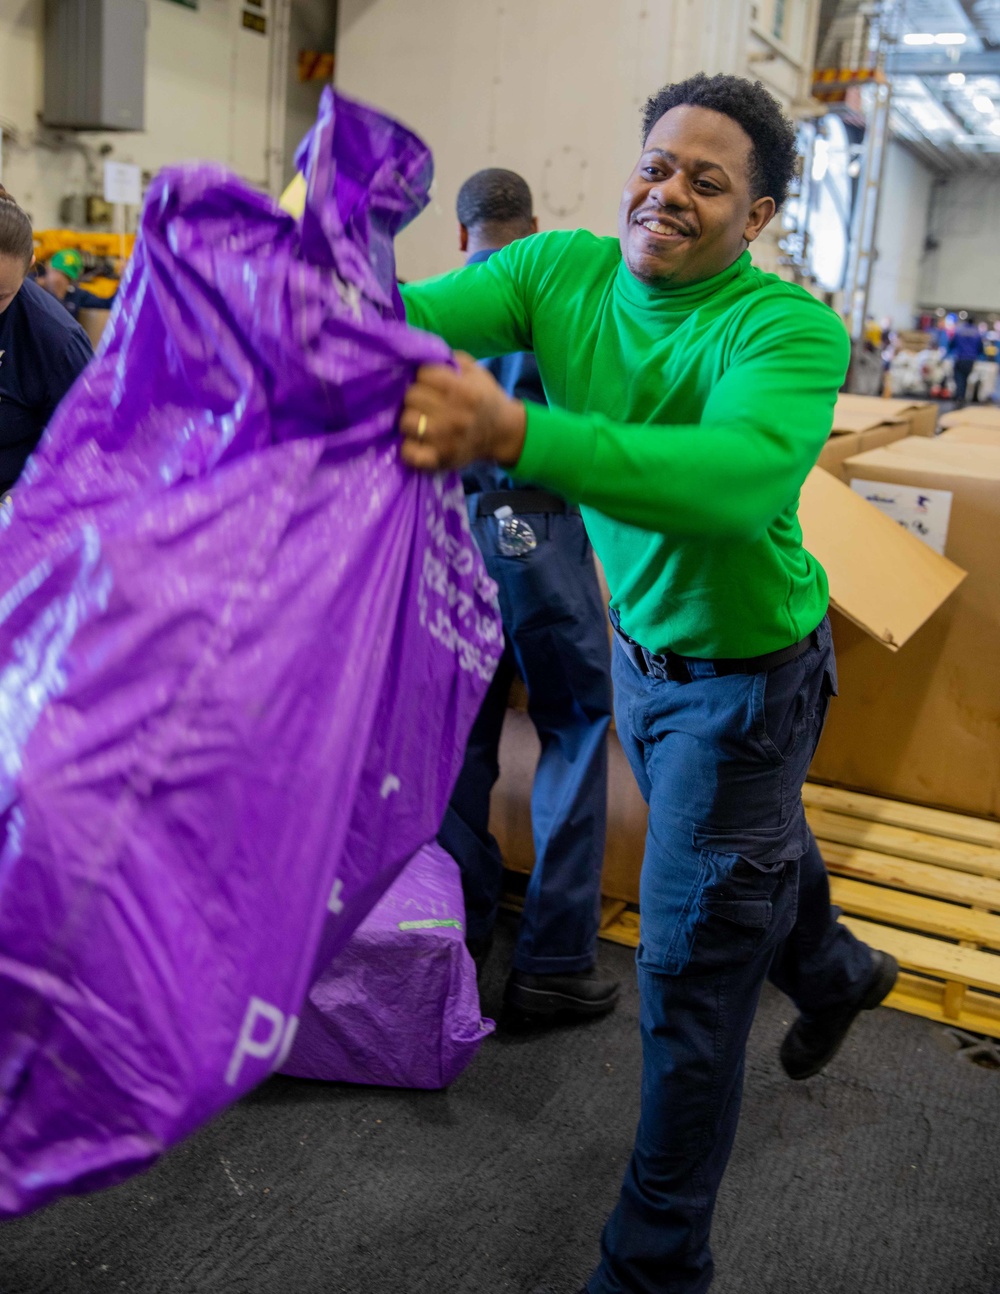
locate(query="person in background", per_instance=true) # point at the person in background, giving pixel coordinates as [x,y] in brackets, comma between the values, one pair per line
[62,279]
[690,395]
[42,350]
[556,638]
[965,347]
[874,334]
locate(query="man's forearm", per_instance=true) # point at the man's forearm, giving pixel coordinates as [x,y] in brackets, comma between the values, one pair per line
[716,482]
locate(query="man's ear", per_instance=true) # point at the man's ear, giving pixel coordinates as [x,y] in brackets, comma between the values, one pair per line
[463,238]
[761,215]
[534,224]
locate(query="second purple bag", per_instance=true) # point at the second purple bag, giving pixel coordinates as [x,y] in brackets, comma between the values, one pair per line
[399,1005]
[241,647]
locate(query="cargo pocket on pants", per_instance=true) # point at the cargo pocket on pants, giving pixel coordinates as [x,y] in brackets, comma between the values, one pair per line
[747,905]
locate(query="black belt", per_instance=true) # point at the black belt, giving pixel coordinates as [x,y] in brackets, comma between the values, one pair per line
[668,665]
[521,502]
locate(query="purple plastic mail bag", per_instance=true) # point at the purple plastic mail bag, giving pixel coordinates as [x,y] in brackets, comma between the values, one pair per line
[241,647]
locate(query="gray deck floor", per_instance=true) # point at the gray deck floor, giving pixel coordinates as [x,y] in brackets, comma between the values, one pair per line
[881,1175]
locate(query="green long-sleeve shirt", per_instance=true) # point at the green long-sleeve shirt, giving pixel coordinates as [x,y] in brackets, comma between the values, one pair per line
[683,420]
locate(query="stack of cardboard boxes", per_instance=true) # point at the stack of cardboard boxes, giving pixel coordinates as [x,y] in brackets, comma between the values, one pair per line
[915,339]
[921,416]
[923,723]
[884,585]
[863,422]
[911,552]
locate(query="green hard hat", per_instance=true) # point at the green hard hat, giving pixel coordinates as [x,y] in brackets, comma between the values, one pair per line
[69,263]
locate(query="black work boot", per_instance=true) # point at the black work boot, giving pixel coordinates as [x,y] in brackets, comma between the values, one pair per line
[581,995]
[813,1040]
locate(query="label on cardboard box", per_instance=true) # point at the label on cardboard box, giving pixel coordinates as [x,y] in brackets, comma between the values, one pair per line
[924,513]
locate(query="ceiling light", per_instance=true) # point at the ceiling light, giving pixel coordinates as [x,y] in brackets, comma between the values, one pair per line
[995,125]
[956,78]
[949,38]
[918,38]
[982,103]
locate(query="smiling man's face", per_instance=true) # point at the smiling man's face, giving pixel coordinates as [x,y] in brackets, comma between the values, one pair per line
[688,210]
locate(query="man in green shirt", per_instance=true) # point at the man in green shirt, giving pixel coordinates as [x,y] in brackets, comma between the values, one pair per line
[689,394]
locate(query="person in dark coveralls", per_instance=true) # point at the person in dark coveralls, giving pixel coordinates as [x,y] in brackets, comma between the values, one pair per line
[61,277]
[690,394]
[965,348]
[556,638]
[42,350]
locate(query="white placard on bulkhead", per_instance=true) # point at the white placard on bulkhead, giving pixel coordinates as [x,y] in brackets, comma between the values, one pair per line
[122,183]
[924,513]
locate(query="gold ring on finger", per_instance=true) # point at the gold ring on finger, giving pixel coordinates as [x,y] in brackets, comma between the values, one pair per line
[422,426]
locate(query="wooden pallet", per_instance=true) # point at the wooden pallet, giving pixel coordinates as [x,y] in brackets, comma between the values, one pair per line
[920,883]
[924,885]
[619,921]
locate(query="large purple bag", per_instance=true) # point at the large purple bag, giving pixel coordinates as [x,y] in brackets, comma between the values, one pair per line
[398,1006]
[241,646]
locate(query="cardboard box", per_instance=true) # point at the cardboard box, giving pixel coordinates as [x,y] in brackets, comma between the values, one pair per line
[838,449]
[973,415]
[860,422]
[882,579]
[914,339]
[921,416]
[884,434]
[93,323]
[924,724]
[844,445]
[857,413]
[972,435]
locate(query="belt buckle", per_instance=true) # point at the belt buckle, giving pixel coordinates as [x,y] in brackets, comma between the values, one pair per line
[675,668]
[666,666]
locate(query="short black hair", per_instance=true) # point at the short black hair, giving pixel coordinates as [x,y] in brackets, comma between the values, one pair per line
[772,136]
[494,197]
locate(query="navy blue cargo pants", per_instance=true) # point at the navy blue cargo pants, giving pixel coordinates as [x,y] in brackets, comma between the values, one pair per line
[557,640]
[733,890]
